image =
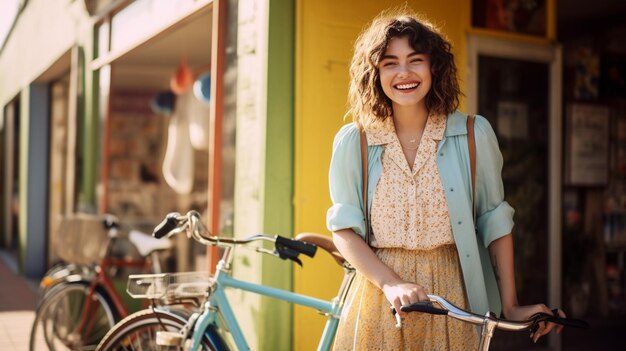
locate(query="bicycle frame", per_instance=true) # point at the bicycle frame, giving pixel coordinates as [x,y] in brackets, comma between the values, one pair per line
[103,281]
[100,280]
[218,303]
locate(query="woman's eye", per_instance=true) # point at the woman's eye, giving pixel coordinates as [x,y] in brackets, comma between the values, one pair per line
[388,63]
[417,60]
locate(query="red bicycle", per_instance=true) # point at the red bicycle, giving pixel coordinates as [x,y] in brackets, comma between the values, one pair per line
[78,301]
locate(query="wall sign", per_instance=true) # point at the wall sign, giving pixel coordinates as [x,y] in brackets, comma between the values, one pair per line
[587,153]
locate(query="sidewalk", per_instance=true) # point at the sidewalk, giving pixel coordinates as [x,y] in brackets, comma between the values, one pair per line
[17,305]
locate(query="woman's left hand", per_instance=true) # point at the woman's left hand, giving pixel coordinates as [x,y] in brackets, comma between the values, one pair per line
[520,313]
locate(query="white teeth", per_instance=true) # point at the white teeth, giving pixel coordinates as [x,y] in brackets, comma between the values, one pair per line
[406,86]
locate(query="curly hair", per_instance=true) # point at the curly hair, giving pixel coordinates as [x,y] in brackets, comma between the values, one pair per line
[367,101]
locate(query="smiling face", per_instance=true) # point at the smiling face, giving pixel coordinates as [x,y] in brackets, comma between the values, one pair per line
[405,74]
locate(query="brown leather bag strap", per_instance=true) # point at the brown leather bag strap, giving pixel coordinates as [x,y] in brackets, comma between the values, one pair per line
[364,173]
[471,145]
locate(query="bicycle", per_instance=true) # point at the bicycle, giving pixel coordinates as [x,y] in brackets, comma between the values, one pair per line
[488,323]
[214,326]
[78,302]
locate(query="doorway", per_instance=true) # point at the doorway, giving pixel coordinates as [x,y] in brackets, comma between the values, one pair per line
[155,156]
[517,87]
[59,168]
[11,191]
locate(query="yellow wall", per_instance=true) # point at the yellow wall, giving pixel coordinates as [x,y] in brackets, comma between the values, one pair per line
[325,33]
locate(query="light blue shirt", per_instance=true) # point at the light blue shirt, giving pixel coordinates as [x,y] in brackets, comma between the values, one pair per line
[494,216]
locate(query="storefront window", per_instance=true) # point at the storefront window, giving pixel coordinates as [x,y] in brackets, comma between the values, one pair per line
[516,16]
[513,96]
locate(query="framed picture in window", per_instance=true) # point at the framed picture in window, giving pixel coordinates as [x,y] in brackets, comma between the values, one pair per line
[516,16]
[587,140]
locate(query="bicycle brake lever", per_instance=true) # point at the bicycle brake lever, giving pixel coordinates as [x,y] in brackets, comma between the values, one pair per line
[281,254]
[266,251]
[398,318]
[289,254]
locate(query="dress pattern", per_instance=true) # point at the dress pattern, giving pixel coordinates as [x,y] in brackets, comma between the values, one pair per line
[413,236]
[409,207]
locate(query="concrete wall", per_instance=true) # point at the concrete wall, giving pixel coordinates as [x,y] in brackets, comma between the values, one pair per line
[36,53]
[44,32]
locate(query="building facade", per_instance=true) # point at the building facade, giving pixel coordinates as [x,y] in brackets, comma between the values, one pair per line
[86,126]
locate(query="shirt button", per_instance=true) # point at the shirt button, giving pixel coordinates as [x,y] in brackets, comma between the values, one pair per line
[451,189]
[467,255]
[460,222]
[441,154]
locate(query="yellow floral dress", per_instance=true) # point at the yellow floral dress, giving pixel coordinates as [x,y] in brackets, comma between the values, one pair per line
[413,236]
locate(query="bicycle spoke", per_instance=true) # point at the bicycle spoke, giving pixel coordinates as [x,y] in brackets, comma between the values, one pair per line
[70,318]
[138,331]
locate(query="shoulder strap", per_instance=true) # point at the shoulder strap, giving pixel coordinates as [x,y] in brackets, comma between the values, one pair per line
[364,173]
[471,145]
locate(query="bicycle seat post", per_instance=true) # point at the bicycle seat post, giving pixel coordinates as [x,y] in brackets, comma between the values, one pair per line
[489,325]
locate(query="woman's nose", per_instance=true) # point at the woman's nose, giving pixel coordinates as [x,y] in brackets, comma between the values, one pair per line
[403,70]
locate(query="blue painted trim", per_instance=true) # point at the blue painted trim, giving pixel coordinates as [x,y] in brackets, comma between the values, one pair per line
[36,217]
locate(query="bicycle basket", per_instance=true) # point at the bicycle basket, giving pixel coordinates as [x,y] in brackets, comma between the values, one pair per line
[82,238]
[171,286]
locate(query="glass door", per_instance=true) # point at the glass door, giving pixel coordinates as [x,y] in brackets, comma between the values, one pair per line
[514,87]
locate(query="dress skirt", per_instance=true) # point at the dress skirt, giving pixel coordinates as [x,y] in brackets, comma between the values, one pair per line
[367,322]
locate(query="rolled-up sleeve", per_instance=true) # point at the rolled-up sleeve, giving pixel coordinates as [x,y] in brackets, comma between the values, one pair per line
[345,183]
[494,215]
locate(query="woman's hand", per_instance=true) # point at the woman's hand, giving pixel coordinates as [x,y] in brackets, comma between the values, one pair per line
[401,293]
[520,313]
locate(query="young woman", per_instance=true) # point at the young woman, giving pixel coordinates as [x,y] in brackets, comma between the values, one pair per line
[404,94]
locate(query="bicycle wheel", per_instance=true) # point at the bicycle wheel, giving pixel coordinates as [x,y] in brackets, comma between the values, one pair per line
[70,318]
[138,332]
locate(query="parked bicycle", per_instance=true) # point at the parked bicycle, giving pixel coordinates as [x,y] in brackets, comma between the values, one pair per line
[215,326]
[78,302]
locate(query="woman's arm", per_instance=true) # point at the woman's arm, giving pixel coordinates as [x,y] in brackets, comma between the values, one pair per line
[501,253]
[502,260]
[397,291]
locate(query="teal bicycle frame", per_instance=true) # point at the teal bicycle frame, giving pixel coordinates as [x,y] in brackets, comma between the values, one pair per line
[218,303]
[217,310]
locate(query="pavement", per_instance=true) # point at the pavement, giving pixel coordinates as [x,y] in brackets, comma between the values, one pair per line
[18,299]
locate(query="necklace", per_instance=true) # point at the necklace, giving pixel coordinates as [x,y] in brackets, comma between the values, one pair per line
[412,142]
[409,148]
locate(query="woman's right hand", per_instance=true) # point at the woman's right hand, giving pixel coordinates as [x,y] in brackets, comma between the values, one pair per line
[397,291]
[401,293]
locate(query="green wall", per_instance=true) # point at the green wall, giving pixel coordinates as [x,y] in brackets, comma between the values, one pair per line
[278,202]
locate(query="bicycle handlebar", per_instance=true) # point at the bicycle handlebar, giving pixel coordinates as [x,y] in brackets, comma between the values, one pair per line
[175,223]
[450,309]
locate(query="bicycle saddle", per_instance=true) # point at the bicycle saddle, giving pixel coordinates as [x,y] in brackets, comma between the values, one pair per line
[146,244]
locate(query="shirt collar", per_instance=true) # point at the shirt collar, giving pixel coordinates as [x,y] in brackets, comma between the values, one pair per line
[380,132]
[383,132]
[456,124]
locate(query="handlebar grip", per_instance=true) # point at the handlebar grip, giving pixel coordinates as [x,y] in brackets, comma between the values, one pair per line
[110,222]
[300,246]
[166,226]
[423,306]
[568,322]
